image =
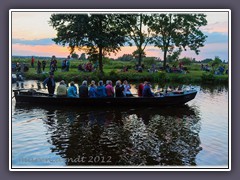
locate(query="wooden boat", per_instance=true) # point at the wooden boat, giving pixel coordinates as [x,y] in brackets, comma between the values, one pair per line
[165,99]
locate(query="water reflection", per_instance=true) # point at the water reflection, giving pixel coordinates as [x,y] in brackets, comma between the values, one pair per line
[213,89]
[123,136]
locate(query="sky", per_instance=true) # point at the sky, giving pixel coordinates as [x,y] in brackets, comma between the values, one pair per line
[31,35]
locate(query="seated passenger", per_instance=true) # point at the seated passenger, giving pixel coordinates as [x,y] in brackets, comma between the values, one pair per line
[101,90]
[92,93]
[62,89]
[119,89]
[127,88]
[147,90]
[109,89]
[140,88]
[83,89]
[72,91]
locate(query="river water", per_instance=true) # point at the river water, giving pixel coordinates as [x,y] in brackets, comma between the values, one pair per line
[195,135]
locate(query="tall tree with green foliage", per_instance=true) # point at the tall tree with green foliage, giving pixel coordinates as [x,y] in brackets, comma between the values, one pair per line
[75,56]
[93,33]
[83,56]
[178,31]
[139,33]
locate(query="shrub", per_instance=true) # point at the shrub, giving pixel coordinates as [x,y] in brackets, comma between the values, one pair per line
[207,77]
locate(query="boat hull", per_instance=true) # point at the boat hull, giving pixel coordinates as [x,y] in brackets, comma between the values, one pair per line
[167,100]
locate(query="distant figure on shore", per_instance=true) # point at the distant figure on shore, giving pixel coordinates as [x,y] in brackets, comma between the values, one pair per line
[39,67]
[44,64]
[67,63]
[32,62]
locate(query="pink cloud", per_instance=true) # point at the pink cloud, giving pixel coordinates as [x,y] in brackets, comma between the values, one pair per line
[49,50]
[221,27]
[208,51]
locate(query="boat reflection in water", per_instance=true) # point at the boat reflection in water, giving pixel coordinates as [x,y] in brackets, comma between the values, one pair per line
[123,136]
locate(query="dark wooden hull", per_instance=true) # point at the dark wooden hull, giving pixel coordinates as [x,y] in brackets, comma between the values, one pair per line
[167,100]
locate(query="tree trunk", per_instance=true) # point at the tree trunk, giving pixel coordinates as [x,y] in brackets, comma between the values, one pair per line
[140,44]
[140,58]
[164,58]
[100,60]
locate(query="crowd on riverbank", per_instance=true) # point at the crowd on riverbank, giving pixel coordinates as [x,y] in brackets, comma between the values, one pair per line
[79,70]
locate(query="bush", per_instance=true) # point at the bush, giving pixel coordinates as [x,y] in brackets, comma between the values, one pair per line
[186,61]
[207,77]
[148,61]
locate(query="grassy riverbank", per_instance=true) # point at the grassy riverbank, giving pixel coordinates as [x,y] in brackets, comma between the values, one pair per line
[112,70]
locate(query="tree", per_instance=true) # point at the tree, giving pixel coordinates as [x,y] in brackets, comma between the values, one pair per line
[208,60]
[94,33]
[83,56]
[126,57]
[215,63]
[173,56]
[138,53]
[186,61]
[75,56]
[178,30]
[137,33]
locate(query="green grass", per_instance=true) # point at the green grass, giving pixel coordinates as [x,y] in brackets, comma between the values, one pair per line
[112,70]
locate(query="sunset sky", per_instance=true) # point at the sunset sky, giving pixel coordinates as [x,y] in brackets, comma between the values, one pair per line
[32,36]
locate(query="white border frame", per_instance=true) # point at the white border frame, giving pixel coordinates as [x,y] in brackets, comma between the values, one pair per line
[119,168]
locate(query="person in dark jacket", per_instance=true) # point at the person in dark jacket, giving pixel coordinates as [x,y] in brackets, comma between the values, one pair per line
[50,83]
[147,90]
[119,89]
[83,89]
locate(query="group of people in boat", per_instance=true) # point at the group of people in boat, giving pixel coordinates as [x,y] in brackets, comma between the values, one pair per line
[94,90]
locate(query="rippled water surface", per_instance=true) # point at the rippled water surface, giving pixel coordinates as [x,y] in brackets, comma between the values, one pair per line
[195,134]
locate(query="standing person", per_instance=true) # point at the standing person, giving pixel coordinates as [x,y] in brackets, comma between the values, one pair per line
[83,89]
[55,63]
[147,90]
[52,62]
[32,62]
[44,65]
[127,88]
[50,83]
[18,67]
[72,91]
[64,65]
[67,63]
[62,89]
[109,89]
[39,67]
[52,68]
[119,89]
